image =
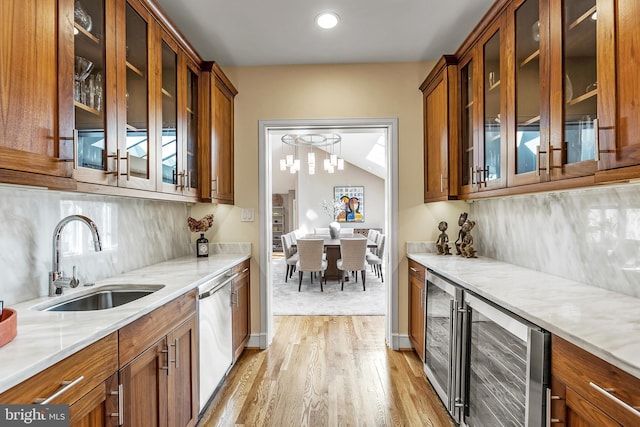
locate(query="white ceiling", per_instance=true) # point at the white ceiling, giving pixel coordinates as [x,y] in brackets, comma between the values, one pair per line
[364,148]
[278,32]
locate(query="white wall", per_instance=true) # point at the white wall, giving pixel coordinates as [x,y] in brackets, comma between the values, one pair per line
[134,233]
[313,189]
[328,92]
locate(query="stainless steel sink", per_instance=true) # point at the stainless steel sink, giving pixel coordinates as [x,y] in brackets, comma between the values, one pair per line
[102,298]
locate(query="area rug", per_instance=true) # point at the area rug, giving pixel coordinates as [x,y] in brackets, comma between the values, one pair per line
[353,301]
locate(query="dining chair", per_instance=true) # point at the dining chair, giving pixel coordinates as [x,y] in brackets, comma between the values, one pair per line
[310,259]
[353,258]
[375,260]
[290,255]
[346,232]
[373,236]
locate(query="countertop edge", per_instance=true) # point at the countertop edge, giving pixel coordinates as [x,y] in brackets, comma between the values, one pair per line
[9,381]
[578,340]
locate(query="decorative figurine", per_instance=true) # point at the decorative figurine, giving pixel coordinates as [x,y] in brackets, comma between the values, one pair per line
[443,240]
[201,225]
[461,233]
[467,242]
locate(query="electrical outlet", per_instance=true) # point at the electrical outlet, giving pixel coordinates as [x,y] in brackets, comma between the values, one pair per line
[247,215]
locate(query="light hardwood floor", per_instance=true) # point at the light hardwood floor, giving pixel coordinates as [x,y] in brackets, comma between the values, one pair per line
[327,371]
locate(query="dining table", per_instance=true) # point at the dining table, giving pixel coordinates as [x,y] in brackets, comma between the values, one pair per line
[332,250]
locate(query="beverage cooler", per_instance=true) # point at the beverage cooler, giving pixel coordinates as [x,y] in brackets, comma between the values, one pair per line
[489,366]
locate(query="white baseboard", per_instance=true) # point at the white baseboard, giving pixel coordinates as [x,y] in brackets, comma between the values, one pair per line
[401,342]
[255,341]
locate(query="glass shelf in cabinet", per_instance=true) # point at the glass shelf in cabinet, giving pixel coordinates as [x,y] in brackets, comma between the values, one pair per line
[591,13]
[135,69]
[530,58]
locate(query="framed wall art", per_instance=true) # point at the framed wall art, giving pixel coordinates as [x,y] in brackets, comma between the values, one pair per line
[351,201]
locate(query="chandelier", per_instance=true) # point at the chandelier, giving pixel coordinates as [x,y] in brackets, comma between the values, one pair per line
[311,141]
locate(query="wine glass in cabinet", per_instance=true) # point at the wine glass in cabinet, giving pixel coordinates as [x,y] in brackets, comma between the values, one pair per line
[93,112]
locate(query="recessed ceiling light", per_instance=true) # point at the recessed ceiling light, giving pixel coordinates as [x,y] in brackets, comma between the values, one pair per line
[327,20]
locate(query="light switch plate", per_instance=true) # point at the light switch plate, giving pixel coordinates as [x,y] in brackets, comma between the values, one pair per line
[247,215]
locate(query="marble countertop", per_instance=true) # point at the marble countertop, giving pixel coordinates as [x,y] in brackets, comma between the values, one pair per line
[45,338]
[602,322]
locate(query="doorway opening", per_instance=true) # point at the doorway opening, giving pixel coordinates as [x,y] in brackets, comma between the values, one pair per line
[270,146]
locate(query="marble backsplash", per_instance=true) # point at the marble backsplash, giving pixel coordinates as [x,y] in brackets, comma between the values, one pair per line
[134,233]
[589,235]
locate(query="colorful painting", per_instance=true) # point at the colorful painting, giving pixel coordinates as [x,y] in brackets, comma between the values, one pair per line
[351,201]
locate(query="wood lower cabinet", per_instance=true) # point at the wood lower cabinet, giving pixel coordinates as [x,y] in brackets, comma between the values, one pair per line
[86,380]
[440,94]
[416,307]
[241,308]
[160,379]
[97,408]
[586,391]
[218,135]
[146,374]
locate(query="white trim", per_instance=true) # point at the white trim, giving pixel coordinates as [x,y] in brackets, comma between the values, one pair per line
[402,342]
[255,341]
[391,221]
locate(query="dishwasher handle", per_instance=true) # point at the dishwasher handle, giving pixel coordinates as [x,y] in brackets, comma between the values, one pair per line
[215,288]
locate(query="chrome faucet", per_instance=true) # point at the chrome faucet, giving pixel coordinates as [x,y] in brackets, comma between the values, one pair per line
[57,279]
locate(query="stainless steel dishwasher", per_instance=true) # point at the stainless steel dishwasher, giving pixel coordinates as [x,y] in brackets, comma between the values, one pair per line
[215,329]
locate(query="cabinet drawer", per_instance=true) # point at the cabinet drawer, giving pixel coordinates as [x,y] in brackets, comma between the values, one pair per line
[417,270]
[596,380]
[94,363]
[139,335]
[242,269]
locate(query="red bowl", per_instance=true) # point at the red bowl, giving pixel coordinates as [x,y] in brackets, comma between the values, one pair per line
[8,326]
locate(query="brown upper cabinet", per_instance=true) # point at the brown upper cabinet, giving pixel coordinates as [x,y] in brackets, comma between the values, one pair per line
[483,72]
[547,92]
[36,134]
[218,134]
[440,91]
[108,97]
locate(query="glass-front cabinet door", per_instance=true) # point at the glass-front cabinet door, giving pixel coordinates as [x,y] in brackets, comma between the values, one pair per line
[528,137]
[94,110]
[172,177]
[574,92]
[490,171]
[467,124]
[192,178]
[134,160]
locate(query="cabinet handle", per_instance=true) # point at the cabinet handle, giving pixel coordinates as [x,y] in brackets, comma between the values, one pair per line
[596,137]
[607,393]
[244,270]
[66,386]
[548,418]
[120,413]
[415,270]
[176,346]
[441,183]
[169,361]
[75,149]
[550,163]
[538,168]
[180,181]
[128,159]
[216,181]
[117,158]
